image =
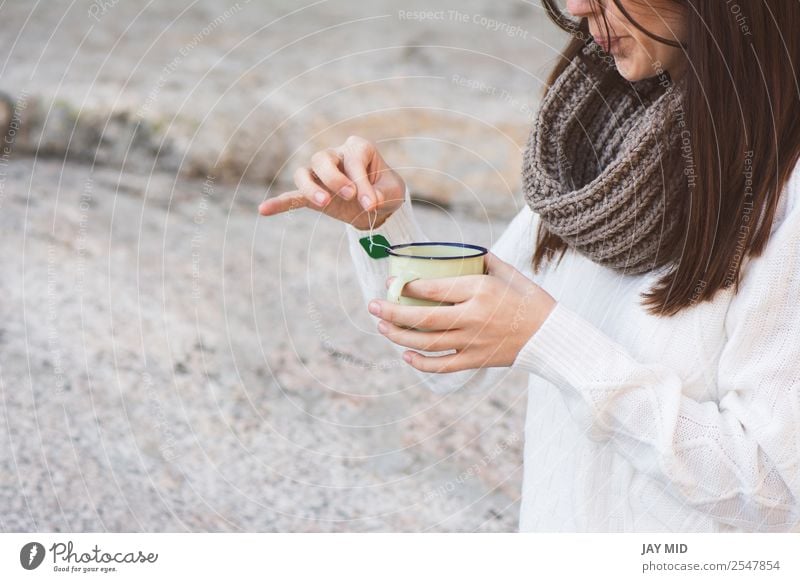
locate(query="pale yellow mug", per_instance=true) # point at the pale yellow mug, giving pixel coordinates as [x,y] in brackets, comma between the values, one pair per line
[431,260]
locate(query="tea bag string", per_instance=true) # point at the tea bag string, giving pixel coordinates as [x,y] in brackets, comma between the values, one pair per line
[372,243]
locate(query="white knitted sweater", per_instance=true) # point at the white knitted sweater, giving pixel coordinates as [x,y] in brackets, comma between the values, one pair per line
[688,423]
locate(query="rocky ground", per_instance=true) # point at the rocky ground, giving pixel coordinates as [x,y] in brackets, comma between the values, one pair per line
[248,89]
[170,361]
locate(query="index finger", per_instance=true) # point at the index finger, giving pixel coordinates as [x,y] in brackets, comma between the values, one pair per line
[449,289]
[283,203]
[433,318]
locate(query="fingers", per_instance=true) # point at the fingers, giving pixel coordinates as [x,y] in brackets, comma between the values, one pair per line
[283,203]
[439,364]
[423,340]
[436,318]
[447,289]
[494,266]
[347,171]
[359,156]
[310,188]
[325,165]
[501,269]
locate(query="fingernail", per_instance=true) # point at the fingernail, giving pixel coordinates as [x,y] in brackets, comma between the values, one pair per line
[365,202]
[407,357]
[320,197]
[382,327]
[374,308]
[348,192]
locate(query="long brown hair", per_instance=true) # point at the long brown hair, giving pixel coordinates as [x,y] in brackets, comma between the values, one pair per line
[742,104]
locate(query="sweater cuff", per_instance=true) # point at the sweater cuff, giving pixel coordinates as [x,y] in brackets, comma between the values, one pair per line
[568,351]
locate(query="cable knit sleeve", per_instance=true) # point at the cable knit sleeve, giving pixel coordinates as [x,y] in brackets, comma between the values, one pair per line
[736,459]
[402,227]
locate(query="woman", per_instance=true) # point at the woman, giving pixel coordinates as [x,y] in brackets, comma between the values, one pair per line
[651,286]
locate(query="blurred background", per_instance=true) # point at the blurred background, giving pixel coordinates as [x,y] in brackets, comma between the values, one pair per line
[169,361]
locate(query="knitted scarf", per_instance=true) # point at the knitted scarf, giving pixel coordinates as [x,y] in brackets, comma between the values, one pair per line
[600,165]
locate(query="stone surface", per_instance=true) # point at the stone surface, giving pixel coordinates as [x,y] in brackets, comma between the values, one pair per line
[248,90]
[169,361]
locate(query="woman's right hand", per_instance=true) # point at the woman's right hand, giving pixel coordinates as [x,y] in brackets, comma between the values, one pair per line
[344,182]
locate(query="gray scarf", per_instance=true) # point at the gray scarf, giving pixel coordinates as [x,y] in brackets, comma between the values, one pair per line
[600,165]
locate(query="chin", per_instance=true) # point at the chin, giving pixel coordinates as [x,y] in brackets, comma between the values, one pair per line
[632,70]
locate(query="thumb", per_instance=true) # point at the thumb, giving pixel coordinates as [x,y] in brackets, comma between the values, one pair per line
[503,271]
[497,267]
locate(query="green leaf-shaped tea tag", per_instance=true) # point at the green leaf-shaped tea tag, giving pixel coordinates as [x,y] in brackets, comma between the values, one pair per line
[376,246]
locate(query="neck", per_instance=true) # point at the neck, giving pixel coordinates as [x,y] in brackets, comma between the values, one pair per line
[677,71]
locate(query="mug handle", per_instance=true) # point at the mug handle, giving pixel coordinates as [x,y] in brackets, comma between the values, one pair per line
[396,288]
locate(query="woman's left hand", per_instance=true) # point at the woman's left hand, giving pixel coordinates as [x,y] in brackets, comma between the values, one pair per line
[491,319]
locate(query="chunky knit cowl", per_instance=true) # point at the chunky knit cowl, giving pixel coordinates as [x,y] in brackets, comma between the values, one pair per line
[603,167]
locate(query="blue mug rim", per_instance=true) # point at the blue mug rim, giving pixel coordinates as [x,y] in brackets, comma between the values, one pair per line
[483,250]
